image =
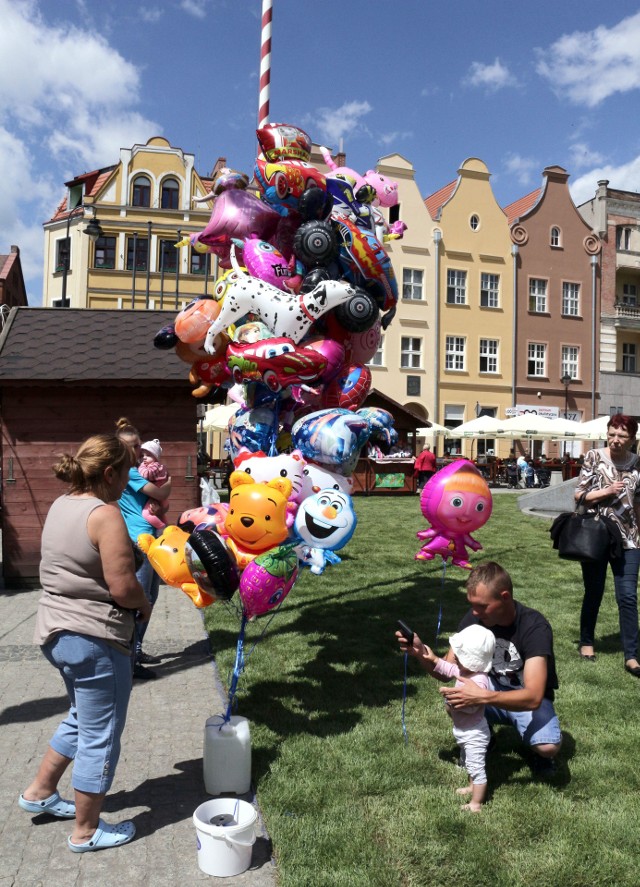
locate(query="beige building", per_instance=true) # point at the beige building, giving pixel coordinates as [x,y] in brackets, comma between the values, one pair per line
[403,367]
[615,216]
[144,205]
[475,305]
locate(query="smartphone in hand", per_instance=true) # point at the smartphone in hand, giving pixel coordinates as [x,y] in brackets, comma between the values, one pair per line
[406,632]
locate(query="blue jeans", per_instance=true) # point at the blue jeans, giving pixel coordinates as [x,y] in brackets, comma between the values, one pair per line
[539,727]
[98,682]
[150,581]
[625,578]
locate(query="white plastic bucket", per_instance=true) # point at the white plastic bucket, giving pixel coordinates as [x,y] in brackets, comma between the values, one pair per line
[225,830]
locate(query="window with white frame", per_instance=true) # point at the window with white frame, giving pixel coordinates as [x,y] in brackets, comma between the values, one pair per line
[537,359]
[456,287]
[556,237]
[570,299]
[410,353]
[378,358]
[623,237]
[537,295]
[629,294]
[489,290]
[628,357]
[412,283]
[454,356]
[570,357]
[488,355]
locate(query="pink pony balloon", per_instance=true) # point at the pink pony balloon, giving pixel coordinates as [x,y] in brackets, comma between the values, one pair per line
[455,501]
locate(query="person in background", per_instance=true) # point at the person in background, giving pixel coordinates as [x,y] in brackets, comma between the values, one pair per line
[152,469]
[610,480]
[131,503]
[85,627]
[425,466]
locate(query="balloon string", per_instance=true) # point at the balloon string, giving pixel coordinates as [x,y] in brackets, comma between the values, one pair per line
[238,668]
[444,570]
[404,700]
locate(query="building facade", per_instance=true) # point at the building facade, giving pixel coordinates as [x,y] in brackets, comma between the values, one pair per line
[403,365]
[475,298]
[144,205]
[555,344]
[615,215]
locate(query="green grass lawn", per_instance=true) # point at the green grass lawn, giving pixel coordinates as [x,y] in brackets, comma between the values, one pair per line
[348,803]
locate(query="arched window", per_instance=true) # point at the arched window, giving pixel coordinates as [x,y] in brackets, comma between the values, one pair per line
[170,194]
[556,236]
[141,191]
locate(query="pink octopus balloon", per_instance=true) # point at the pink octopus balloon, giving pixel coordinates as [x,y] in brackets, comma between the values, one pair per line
[455,501]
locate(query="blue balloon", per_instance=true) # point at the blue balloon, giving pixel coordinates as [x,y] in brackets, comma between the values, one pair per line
[332,437]
[254,429]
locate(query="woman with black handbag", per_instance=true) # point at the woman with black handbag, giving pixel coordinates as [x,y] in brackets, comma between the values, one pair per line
[610,480]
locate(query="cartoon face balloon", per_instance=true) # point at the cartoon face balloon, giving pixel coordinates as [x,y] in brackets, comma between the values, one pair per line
[319,477]
[456,501]
[324,523]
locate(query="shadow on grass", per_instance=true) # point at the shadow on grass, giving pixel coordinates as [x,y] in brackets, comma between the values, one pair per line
[511,762]
[354,661]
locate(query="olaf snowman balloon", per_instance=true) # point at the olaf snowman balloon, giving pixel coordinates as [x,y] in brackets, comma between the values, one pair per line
[324,523]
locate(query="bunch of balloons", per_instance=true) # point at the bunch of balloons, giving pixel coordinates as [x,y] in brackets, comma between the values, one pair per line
[305,289]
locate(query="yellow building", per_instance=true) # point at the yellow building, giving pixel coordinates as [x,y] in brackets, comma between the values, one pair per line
[403,367]
[475,313]
[144,205]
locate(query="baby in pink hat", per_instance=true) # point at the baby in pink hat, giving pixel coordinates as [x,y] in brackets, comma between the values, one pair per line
[152,469]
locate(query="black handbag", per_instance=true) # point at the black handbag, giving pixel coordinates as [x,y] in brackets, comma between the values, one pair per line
[584,535]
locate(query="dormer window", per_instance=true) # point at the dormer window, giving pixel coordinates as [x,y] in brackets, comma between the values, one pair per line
[169,194]
[141,191]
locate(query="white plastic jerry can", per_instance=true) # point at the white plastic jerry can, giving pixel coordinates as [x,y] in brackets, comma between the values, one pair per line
[227,755]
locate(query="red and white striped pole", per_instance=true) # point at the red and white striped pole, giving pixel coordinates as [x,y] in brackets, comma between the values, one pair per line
[265,63]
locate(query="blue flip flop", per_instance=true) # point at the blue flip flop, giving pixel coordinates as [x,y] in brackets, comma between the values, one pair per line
[106,836]
[54,805]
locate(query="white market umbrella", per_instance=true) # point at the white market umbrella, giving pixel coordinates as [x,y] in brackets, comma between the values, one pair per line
[595,429]
[532,426]
[434,430]
[217,419]
[483,426]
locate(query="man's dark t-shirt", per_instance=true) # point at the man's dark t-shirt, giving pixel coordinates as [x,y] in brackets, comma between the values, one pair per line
[529,635]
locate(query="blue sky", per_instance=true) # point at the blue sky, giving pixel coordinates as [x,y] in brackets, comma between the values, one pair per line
[520,85]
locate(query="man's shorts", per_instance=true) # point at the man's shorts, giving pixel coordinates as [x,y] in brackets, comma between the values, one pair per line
[539,727]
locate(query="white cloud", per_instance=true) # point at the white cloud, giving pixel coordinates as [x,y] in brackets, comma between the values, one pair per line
[582,156]
[391,138]
[150,14]
[521,168]
[333,124]
[589,66]
[625,177]
[67,104]
[196,8]
[491,77]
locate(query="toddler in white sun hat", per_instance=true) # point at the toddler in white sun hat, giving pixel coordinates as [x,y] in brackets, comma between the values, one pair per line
[473,650]
[152,469]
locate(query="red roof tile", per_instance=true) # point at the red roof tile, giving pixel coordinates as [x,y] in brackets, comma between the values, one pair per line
[521,207]
[437,200]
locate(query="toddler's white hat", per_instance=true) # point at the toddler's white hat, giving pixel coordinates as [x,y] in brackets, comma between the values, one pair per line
[474,646]
[153,447]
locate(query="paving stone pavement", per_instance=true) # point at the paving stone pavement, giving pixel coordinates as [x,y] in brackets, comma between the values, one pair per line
[158,782]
